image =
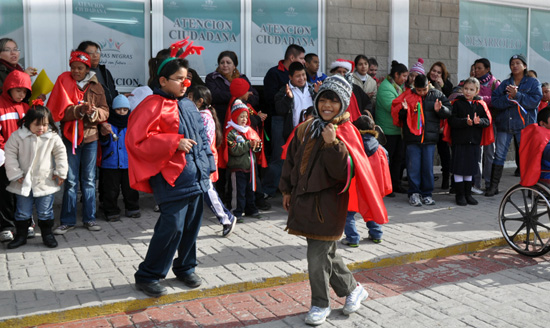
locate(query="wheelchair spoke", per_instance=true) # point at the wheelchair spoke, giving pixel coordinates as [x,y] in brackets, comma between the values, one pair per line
[520,219]
[517,208]
[523,192]
[512,237]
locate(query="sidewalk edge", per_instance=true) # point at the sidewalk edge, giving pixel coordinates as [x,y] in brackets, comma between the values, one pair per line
[139,304]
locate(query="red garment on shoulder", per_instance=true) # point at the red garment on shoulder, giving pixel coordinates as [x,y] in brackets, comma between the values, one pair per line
[66,93]
[534,139]
[488,134]
[412,100]
[365,195]
[379,164]
[152,141]
[353,108]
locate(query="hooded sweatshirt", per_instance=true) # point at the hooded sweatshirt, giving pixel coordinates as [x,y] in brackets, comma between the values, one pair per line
[10,111]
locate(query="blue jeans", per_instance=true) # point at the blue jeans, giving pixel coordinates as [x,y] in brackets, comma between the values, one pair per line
[420,169]
[273,173]
[81,169]
[502,143]
[375,229]
[176,230]
[44,207]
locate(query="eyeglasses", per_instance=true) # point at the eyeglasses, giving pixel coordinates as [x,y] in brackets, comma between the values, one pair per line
[11,50]
[97,53]
[186,82]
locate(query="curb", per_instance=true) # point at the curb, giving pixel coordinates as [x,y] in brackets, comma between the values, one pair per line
[139,304]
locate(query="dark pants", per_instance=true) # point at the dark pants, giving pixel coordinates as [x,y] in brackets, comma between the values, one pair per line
[113,181]
[243,199]
[176,230]
[7,203]
[326,268]
[444,152]
[395,147]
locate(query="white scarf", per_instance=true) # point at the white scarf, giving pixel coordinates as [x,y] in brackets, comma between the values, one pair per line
[82,83]
[240,128]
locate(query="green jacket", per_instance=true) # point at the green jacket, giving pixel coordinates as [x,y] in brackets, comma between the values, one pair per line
[238,151]
[386,94]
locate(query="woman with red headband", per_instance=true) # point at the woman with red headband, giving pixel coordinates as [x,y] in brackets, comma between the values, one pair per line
[78,102]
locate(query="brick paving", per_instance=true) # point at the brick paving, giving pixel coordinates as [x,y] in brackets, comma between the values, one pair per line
[469,290]
[91,273]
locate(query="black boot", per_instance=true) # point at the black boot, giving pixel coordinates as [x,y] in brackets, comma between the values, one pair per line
[47,236]
[468,193]
[459,189]
[445,180]
[496,174]
[20,238]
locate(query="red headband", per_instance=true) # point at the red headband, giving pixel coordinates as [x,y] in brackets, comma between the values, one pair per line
[80,56]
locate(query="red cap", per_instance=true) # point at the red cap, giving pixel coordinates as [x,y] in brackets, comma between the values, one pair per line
[239,87]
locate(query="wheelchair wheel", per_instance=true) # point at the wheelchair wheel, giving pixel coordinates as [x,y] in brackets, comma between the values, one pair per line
[524,219]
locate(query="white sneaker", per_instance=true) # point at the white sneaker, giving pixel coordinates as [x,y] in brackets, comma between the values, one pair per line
[477,191]
[415,200]
[353,300]
[6,235]
[30,232]
[317,315]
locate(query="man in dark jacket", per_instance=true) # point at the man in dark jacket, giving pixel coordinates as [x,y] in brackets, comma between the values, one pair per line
[274,80]
[423,109]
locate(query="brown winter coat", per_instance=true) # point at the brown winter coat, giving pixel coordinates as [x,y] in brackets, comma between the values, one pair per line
[314,173]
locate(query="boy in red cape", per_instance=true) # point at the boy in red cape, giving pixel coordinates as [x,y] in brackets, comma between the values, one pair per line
[325,174]
[534,151]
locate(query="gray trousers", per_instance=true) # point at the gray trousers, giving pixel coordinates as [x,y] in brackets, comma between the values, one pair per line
[326,268]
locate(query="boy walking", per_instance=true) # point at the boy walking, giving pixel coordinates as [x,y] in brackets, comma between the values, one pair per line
[315,180]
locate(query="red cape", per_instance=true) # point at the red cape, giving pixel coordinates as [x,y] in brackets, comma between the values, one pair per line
[353,108]
[152,141]
[365,195]
[412,100]
[534,139]
[379,164]
[488,134]
[66,93]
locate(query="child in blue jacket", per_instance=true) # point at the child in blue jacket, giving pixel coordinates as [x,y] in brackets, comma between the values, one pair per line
[114,163]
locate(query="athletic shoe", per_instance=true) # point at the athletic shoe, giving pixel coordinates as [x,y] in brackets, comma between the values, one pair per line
[348,243]
[353,300]
[477,191]
[6,235]
[62,229]
[428,200]
[317,315]
[228,228]
[92,226]
[415,200]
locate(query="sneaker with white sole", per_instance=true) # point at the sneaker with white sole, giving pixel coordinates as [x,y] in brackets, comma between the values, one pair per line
[30,232]
[415,200]
[346,242]
[353,300]
[62,229]
[428,200]
[477,191]
[92,226]
[5,236]
[317,315]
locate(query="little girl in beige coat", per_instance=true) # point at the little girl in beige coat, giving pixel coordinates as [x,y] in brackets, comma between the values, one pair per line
[36,165]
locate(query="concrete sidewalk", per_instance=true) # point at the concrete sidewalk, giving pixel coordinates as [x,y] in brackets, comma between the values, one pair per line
[91,273]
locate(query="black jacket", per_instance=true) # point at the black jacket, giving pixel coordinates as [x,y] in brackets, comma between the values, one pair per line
[432,119]
[109,85]
[461,132]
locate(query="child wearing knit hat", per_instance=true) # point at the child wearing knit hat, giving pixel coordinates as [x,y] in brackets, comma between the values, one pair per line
[416,69]
[114,163]
[318,190]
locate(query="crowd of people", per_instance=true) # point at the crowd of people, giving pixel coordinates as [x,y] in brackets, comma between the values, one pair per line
[332,146]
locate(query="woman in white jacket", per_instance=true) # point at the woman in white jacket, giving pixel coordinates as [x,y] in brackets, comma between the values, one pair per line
[36,165]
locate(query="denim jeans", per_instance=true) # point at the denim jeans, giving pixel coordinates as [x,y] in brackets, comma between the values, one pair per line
[273,172]
[44,207]
[375,229]
[420,161]
[502,143]
[81,169]
[176,230]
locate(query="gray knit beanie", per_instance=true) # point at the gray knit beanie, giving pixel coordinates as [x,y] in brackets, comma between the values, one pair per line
[339,85]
